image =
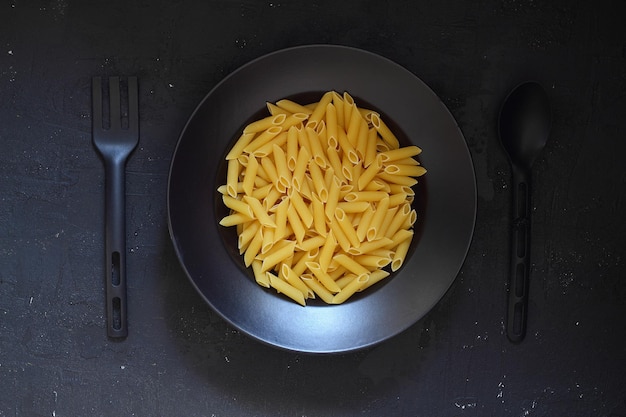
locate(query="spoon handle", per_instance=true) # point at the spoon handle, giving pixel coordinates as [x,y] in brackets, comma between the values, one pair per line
[520,256]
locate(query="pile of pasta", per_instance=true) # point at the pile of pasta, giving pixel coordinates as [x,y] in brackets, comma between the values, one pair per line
[321,198]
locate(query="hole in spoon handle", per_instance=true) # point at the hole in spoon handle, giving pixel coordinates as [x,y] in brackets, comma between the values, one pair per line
[519,272]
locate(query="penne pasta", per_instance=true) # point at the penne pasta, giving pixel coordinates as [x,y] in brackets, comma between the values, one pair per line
[320,196]
[285,288]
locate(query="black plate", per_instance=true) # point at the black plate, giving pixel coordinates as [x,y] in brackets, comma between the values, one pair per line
[446,200]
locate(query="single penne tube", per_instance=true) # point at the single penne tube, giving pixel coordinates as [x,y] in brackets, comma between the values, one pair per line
[370,172]
[306,187]
[319,156]
[285,288]
[274,109]
[253,249]
[406,161]
[369,247]
[364,222]
[319,216]
[232,177]
[347,228]
[237,205]
[400,236]
[238,147]
[222,189]
[317,177]
[354,127]
[382,252]
[319,110]
[375,276]
[293,279]
[303,210]
[401,153]
[323,277]
[354,206]
[301,164]
[335,162]
[281,219]
[235,219]
[377,220]
[292,148]
[259,212]
[262,139]
[311,243]
[295,119]
[361,143]
[357,170]
[397,179]
[275,257]
[332,129]
[333,198]
[407,170]
[384,131]
[370,149]
[261,278]
[347,147]
[265,123]
[398,188]
[317,287]
[338,103]
[329,173]
[246,235]
[293,107]
[342,240]
[320,129]
[280,161]
[365,196]
[350,264]
[268,239]
[377,185]
[349,290]
[266,149]
[262,192]
[295,222]
[397,199]
[346,168]
[366,114]
[250,175]
[348,105]
[327,251]
[400,253]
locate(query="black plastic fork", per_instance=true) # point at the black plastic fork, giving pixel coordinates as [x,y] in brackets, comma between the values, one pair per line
[115,144]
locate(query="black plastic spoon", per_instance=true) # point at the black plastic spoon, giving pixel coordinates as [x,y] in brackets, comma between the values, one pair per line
[524,126]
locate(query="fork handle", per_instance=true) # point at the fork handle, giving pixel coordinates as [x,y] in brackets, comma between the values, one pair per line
[115,235]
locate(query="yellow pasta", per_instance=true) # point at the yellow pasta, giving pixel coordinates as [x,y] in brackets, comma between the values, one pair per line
[285,288]
[320,196]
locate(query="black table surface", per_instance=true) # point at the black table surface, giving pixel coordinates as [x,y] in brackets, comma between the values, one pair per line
[181,358]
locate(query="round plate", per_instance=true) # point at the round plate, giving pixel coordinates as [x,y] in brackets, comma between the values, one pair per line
[446,198]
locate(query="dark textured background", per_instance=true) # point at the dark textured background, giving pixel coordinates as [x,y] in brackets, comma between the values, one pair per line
[181,359]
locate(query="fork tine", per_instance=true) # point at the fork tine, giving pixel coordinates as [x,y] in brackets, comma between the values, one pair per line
[133,106]
[96,105]
[114,103]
